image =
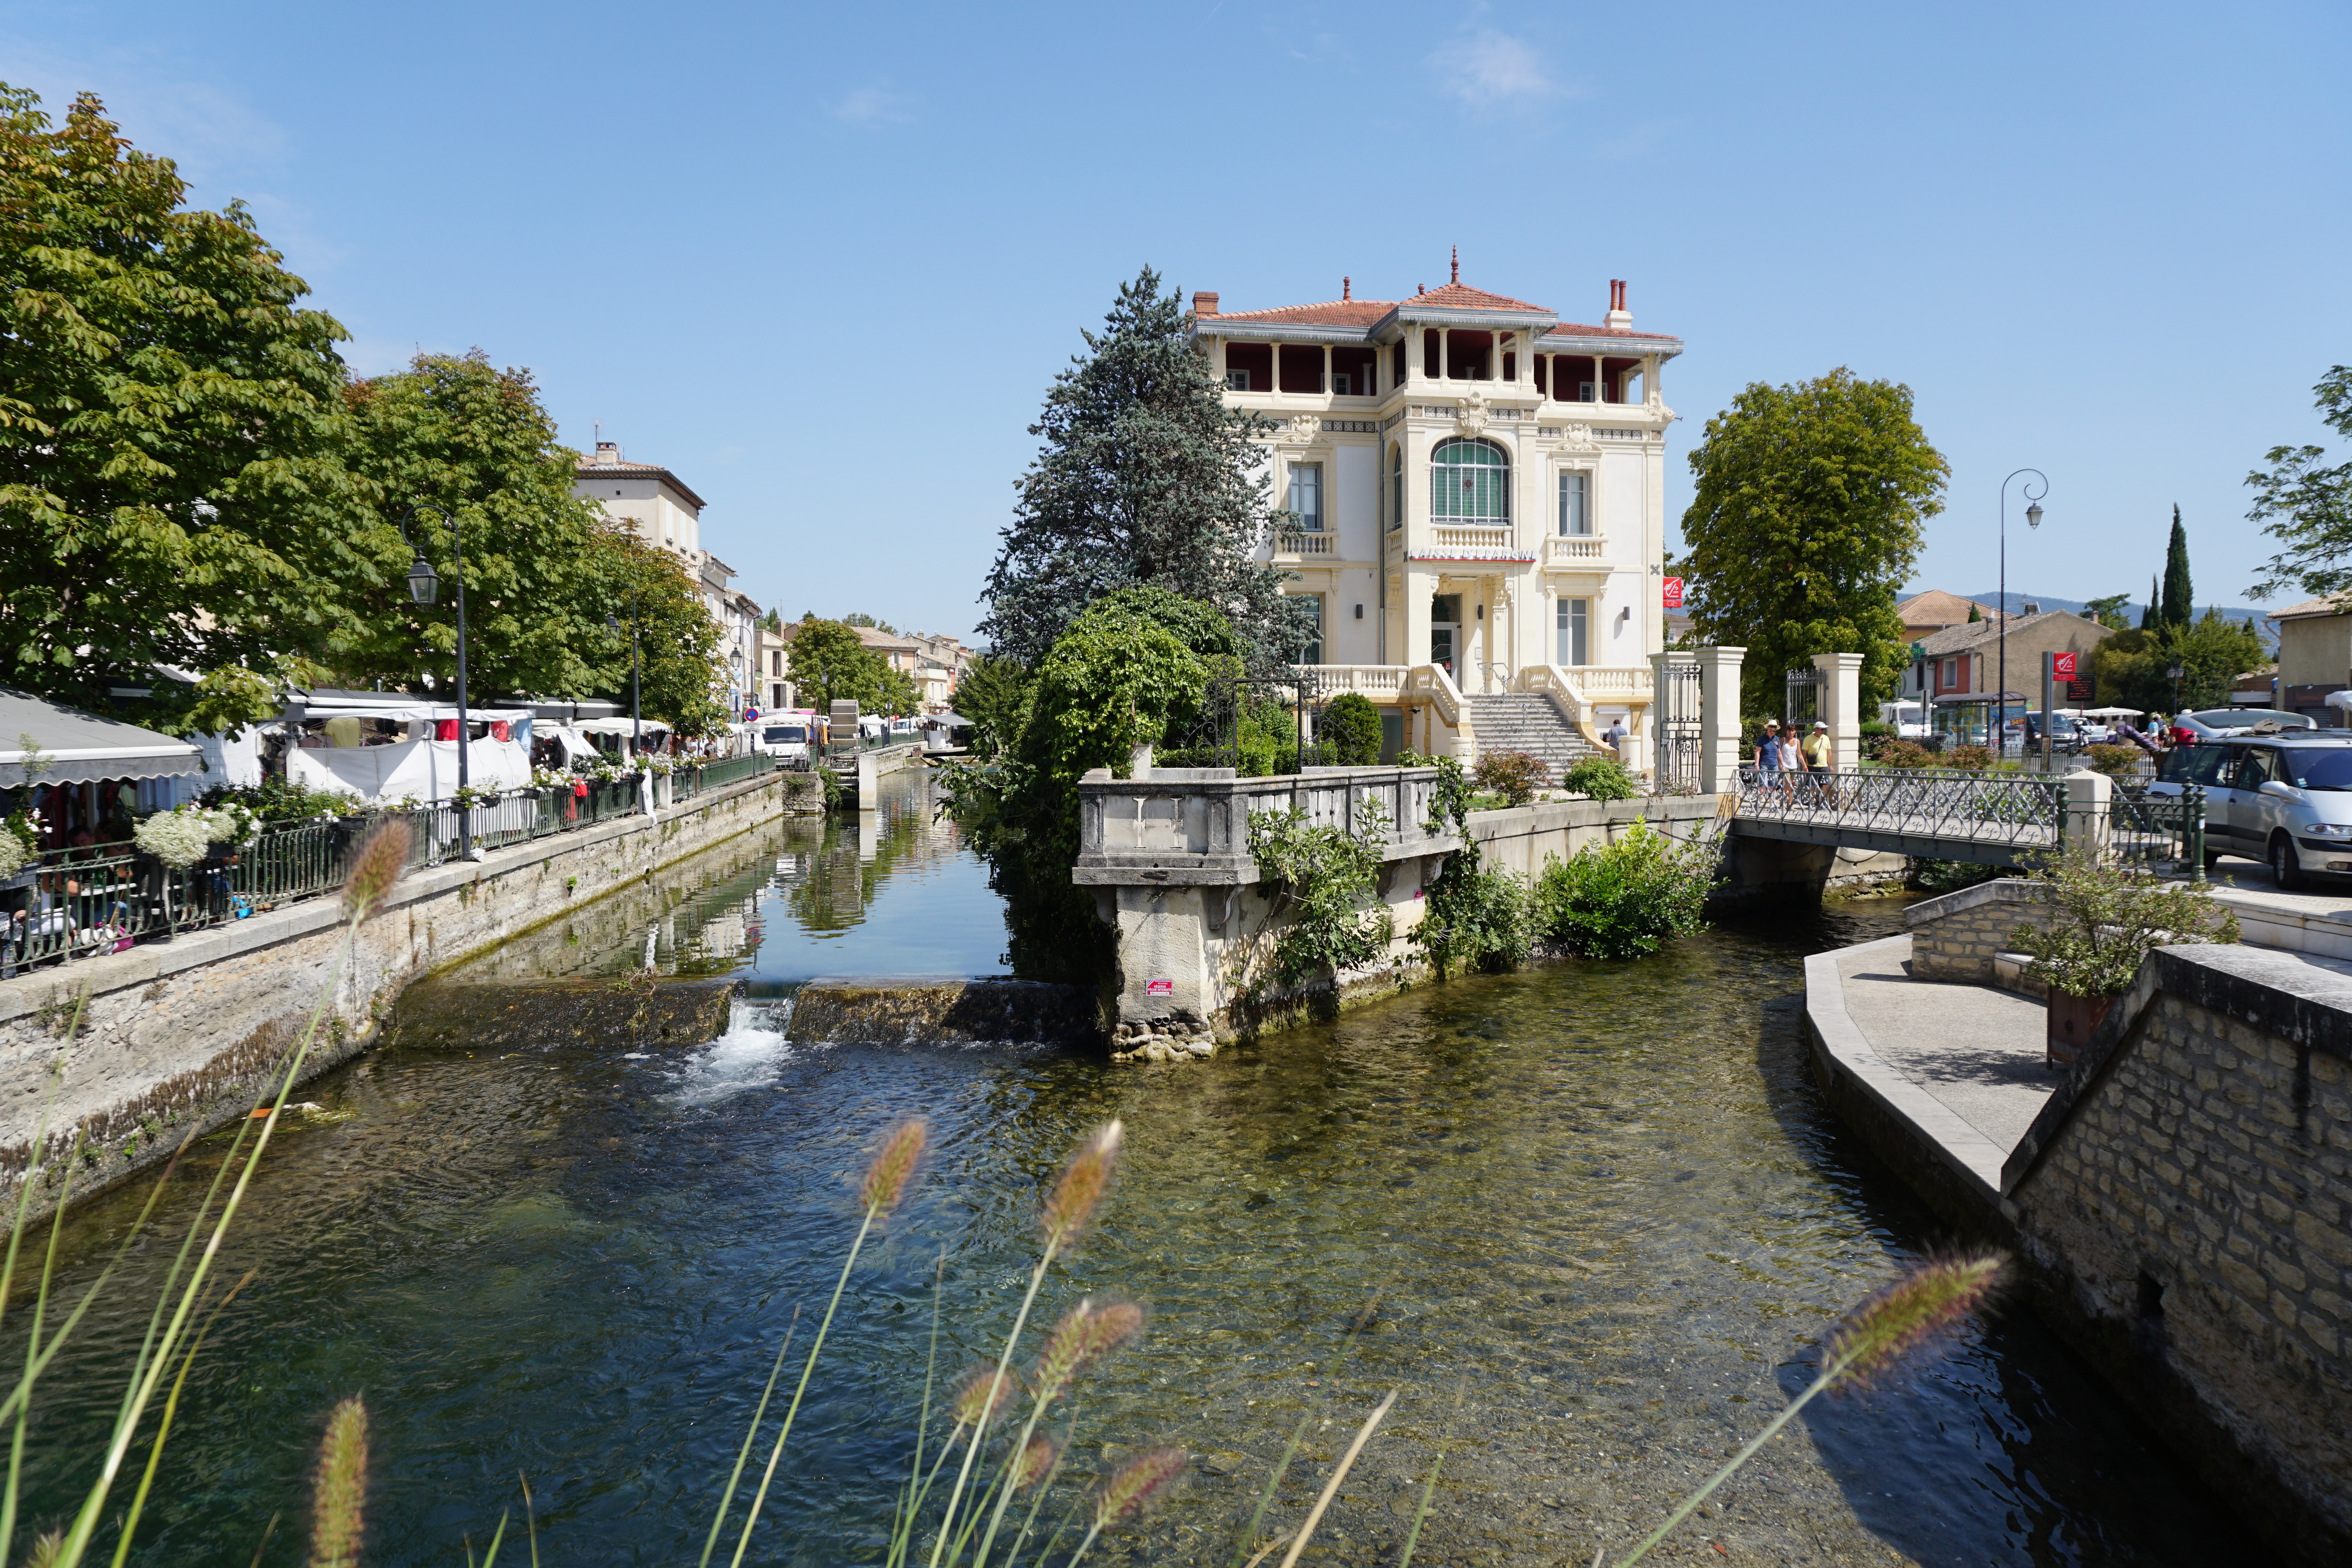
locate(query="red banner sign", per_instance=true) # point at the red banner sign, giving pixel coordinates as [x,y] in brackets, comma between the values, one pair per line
[2062,666]
[1673,593]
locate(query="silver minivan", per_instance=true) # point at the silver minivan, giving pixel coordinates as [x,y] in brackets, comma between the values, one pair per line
[2285,798]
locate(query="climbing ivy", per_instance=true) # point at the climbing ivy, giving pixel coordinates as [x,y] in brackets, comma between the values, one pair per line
[1316,881]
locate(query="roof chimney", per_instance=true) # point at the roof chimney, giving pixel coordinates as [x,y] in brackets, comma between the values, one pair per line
[1619,317]
[1347,289]
[2033,606]
[1204,302]
[608,452]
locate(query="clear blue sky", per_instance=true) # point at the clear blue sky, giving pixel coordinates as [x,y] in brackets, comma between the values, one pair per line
[824,260]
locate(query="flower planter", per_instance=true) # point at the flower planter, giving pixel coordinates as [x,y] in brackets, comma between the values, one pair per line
[2071,1021]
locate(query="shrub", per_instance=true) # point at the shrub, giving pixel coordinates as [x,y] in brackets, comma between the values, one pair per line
[1601,778]
[2115,761]
[2107,916]
[1875,729]
[1626,899]
[280,800]
[1480,920]
[1908,756]
[1968,758]
[1949,876]
[1319,879]
[1351,725]
[1516,776]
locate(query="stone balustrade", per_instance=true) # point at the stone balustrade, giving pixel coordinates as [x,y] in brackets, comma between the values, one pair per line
[1189,827]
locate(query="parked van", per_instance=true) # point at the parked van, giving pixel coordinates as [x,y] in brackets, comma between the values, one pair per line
[794,736]
[2284,797]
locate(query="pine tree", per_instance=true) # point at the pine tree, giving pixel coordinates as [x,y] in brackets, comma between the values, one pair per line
[2177,593]
[1146,477]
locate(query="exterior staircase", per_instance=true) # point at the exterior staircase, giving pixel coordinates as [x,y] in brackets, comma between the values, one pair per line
[1525,721]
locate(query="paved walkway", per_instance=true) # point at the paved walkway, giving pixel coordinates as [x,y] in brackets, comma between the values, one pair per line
[1978,1049]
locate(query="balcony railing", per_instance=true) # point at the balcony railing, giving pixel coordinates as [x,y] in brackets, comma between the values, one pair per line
[1558,547]
[1486,539]
[1378,682]
[80,902]
[1304,542]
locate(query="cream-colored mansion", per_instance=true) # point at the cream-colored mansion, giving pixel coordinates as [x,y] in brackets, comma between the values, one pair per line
[1478,492]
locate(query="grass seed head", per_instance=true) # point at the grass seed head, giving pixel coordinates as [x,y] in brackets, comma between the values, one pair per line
[1085,1180]
[47,1550]
[380,861]
[1036,1461]
[340,1499]
[1064,1352]
[1922,1307]
[982,1395]
[893,1170]
[1137,1485]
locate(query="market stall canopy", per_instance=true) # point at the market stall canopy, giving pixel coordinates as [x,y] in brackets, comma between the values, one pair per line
[1980,699]
[398,706]
[426,770]
[616,726]
[80,747]
[2113,712]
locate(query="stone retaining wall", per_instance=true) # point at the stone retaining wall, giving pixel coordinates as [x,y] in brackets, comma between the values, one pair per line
[185,1034]
[1956,937]
[2185,1203]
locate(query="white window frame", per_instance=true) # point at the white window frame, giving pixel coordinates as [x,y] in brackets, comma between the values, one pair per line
[1576,482]
[1572,631]
[1312,474]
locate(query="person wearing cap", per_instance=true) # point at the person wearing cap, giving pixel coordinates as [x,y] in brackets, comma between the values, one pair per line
[1818,755]
[1768,753]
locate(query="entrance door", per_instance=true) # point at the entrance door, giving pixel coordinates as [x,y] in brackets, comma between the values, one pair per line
[1445,633]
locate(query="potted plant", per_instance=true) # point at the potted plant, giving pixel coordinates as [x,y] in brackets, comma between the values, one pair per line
[2105,918]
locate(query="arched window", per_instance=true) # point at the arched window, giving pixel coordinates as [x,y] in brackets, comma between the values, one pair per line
[1396,486]
[1469,481]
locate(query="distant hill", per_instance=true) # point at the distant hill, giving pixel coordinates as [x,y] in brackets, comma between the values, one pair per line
[2132,612]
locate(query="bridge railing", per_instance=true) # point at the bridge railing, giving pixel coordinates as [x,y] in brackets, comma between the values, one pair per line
[2162,832]
[2008,809]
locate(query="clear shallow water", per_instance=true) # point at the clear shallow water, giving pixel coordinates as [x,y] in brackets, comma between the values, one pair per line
[1603,1211]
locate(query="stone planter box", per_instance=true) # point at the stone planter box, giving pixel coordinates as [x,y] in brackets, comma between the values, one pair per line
[2071,1021]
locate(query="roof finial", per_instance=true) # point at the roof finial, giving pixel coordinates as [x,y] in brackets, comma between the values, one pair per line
[1457,264]
[1347,289]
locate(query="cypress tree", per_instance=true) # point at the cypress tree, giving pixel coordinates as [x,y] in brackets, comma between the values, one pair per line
[2177,593]
[2148,615]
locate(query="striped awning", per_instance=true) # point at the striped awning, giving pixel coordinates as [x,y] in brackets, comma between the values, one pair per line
[70,747]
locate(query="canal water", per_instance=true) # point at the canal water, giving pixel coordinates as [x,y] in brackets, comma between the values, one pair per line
[1589,1220]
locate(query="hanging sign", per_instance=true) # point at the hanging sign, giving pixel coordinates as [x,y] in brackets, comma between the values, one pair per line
[1673,593]
[2062,667]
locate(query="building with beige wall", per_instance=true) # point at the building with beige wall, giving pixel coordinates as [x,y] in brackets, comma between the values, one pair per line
[2315,657]
[1477,490]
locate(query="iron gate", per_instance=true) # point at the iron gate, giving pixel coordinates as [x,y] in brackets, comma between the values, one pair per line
[1681,737]
[1803,700]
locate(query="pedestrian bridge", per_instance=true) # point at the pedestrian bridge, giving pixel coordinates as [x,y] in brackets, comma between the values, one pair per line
[1988,818]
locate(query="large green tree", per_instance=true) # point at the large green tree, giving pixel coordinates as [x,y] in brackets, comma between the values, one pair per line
[458,433]
[1146,476]
[2180,593]
[829,664]
[2305,503]
[1806,519]
[2133,667]
[678,641]
[173,483]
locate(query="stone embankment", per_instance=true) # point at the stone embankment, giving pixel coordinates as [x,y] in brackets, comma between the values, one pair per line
[183,1036]
[2180,1195]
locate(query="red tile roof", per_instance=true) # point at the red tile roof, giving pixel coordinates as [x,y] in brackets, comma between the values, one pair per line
[1331,313]
[1462,296]
[1571,330]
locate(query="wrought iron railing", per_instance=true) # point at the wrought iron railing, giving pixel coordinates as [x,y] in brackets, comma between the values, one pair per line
[2162,832]
[101,898]
[2004,808]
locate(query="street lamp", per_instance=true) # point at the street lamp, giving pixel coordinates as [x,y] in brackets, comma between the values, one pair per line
[2176,672]
[425,588]
[2034,519]
[636,723]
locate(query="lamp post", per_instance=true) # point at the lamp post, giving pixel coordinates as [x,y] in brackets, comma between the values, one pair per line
[2176,672]
[424,587]
[2034,519]
[636,723]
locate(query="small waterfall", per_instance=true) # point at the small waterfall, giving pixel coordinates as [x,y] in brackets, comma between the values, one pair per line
[748,1054]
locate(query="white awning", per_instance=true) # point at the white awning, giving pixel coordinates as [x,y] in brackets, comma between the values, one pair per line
[78,748]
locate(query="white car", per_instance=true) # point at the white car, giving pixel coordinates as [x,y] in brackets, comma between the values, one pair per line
[787,738]
[2241,720]
[2285,798]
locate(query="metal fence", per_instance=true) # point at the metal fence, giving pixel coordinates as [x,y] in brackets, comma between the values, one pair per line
[103,898]
[2162,832]
[2009,809]
[1681,744]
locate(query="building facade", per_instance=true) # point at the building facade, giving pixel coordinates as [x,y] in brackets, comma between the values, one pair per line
[2314,657]
[1476,489]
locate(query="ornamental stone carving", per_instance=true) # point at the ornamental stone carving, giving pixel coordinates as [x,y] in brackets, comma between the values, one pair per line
[1471,417]
[1300,430]
[1580,438]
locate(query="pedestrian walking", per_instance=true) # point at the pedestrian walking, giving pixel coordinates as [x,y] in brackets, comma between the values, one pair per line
[1765,758]
[1792,761]
[1819,754]
[1615,736]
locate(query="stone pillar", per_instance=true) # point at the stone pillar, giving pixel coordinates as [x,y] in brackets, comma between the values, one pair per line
[2088,796]
[1841,699]
[1719,684]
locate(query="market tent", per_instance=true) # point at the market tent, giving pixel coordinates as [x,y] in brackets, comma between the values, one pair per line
[426,770]
[78,748]
[617,727]
[2113,712]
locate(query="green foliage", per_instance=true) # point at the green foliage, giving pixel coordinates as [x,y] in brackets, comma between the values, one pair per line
[1472,918]
[863,620]
[1351,725]
[459,432]
[2109,610]
[1806,519]
[1145,477]
[2106,917]
[1905,756]
[171,483]
[1601,778]
[1628,898]
[2131,666]
[2180,596]
[1318,882]
[2306,504]
[2114,761]
[993,693]
[1516,776]
[279,799]
[1976,613]
[1967,758]
[1114,680]
[678,642]
[829,664]
[1949,876]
